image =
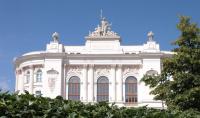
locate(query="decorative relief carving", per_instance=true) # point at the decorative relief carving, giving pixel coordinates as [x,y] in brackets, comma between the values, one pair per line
[52,77]
[52,83]
[130,69]
[18,71]
[152,72]
[39,66]
[103,30]
[32,67]
[102,70]
[77,69]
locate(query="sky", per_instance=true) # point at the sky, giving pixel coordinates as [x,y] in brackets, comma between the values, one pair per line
[27,25]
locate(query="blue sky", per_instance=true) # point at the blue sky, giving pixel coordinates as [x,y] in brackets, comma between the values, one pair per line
[27,25]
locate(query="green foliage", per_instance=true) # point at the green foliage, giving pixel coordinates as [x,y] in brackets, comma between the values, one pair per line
[183,92]
[28,106]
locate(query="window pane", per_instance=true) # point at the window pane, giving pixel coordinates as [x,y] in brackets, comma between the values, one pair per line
[39,76]
[131,90]
[102,89]
[74,88]
[27,78]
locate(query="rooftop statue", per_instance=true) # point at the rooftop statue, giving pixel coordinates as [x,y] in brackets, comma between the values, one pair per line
[55,37]
[105,27]
[103,30]
[150,36]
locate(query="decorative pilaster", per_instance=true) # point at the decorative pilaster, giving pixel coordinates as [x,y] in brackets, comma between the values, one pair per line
[85,83]
[21,88]
[31,79]
[119,83]
[113,83]
[19,78]
[16,80]
[91,83]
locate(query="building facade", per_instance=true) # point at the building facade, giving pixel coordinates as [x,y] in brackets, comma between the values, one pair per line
[100,70]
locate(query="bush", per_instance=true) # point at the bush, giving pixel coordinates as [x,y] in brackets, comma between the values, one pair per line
[28,106]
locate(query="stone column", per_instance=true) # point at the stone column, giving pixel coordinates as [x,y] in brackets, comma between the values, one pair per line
[31,80]
[119,83]
[91,83]
[85,83]
[113,84]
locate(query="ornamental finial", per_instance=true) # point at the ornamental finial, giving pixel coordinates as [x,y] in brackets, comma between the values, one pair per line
[150,36]
[55,37]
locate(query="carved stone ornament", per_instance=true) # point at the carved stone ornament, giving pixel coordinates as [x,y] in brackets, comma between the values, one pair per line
[130,69]
[102,70]
[103,30]
[18,71]
[52,77]
[51,84]
[77,69]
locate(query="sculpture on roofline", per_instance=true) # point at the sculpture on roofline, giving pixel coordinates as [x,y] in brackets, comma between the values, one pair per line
[150,36]
[104,26]
[55,37]
[103,30]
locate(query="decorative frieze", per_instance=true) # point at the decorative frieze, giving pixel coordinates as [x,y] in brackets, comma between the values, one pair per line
[74,70]
[130,69]
[102,70]
[18,71]
[24,68]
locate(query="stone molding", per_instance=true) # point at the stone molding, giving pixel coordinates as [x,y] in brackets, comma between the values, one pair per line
[74,70]
[130,70]
[102,70]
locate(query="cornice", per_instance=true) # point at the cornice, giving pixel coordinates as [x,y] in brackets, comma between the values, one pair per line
[47,55]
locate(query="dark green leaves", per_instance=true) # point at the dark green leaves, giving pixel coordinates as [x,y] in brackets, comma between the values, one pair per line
[28,106]
[183,92]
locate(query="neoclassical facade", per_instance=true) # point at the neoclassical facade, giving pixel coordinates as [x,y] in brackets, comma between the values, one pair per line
[100,70]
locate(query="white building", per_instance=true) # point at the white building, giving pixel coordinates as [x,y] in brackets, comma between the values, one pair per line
[101,70]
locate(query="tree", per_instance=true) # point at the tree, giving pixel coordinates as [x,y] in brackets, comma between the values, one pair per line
[183,91]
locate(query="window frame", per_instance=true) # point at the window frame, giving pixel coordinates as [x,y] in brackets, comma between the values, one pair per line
[74,88]
[27,77]
[38,77]
[102,89]
[131,90]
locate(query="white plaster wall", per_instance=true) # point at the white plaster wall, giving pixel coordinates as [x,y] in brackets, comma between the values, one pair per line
[143,93]
[55,64]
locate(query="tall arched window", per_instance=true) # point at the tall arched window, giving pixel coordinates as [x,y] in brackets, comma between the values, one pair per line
[39,76]
[102,89]
[131,90]
[27,78]
[74,88]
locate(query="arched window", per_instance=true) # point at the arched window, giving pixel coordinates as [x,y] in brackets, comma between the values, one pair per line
[131,90]
[152,72]
[27,79]
[102,89]
[74,88]
[39,76]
